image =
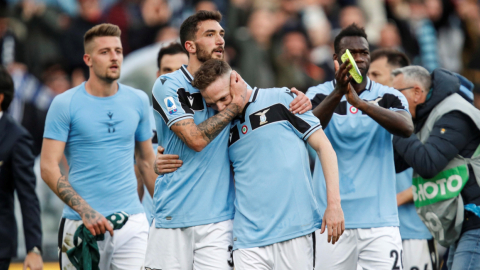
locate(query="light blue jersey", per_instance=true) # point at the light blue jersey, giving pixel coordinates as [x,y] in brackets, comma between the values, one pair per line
[411,226]
[365,157]
[100,135]
[147,199]
[201,191]
[274,194]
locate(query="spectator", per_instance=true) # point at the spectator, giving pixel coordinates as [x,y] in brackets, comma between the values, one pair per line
[140,67]
[16,175]
[294,68]
[11,49]
[390,37]
[90,14]
[45,26]
[444,148]
[254,49]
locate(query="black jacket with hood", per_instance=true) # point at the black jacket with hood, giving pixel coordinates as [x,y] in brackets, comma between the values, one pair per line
[454,133]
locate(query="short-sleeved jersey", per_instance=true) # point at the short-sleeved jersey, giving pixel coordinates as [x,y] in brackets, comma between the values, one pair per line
[365,157]
[201,191]
[274,194]
[411,226]
[100,135]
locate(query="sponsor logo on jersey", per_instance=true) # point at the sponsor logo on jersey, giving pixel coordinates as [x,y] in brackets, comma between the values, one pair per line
[263,117]
[353,110]
[244,129]
[170,103]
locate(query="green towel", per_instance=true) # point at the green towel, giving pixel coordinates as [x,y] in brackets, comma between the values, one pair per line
[85,256]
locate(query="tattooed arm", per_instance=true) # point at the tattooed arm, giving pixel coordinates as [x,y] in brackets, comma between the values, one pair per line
[199,136]
[52,152]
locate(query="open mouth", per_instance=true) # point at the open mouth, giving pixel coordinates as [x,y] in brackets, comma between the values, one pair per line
[218,51]
[113,67]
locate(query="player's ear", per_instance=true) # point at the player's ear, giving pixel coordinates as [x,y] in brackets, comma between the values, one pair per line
[335,57]
[190,46]
[87,59]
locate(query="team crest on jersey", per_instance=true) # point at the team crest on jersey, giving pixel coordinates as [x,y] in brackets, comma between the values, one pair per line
[244,129]
[170,103]
[263,117]
[353,110]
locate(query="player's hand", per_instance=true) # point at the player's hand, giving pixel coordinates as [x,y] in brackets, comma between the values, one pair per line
[33,261]
[342,77]
[301,104]
[334,221]
[166,163]
[352,97]
[238,90]
[95,222]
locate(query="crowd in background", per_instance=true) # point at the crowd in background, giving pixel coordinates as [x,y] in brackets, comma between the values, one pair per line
[287,42]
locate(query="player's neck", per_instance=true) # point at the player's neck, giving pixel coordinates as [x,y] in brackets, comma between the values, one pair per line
[359,87]
[193,64]
[249,93]
[100,88]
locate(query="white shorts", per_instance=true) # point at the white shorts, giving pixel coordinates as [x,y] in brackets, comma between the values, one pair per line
[124,251]
[199,247]
[297,254]
[419,254]
[372,249]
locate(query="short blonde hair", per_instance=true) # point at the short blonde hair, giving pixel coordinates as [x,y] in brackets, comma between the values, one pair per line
[100,30]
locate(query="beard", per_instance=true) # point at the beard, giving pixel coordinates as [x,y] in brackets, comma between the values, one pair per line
[203,55]
[108,76]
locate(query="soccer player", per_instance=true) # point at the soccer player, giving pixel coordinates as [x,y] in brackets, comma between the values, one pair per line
[359,120]
[99,125]
[194,204]
[169,59]
[419,250]
[275,208]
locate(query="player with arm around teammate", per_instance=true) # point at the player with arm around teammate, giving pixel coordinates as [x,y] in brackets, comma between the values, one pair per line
[275,209]
[194,204]
[100,125]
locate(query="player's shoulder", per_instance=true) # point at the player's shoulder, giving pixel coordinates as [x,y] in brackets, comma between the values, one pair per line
[381,89]
[65,98]
[170,81]
[324,88]
[272,95]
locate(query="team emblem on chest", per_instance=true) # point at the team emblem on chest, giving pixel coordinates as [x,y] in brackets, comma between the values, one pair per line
[263,117]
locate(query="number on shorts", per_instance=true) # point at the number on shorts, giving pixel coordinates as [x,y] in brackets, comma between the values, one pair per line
[394,253]
[230,262]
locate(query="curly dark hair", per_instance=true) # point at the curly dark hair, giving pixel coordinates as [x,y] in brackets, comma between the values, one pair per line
[353,30]
[209,72]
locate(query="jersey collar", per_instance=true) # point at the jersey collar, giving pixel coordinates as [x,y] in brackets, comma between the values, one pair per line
[367,87]
[253,97]
[187,74]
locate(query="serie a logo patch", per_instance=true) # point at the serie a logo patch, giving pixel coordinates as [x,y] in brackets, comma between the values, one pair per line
[170,103]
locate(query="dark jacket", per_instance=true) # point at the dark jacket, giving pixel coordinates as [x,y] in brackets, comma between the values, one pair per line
[454,133]
[16,174]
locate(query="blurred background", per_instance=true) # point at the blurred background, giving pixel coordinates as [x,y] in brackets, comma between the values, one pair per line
[287,42]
